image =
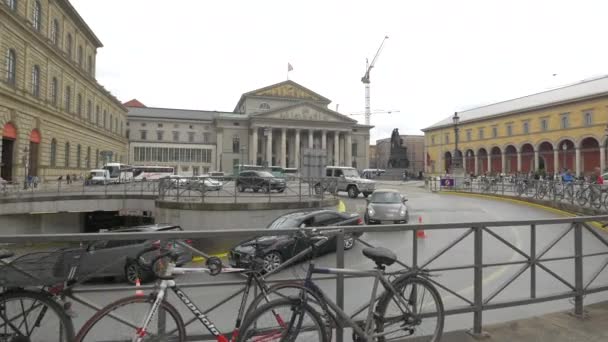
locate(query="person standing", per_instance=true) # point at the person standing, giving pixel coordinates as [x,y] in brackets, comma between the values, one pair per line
[599,179]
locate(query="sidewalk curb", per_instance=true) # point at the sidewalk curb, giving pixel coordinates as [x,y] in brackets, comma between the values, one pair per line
[522,202]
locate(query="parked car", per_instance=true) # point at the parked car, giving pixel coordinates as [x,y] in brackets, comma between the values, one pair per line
[99,176]
[259,180]
[386,206]
[274,250]
[111,258]
[342,178]
[208,183]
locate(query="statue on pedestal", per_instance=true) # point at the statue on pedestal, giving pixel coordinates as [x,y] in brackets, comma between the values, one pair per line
[398,155]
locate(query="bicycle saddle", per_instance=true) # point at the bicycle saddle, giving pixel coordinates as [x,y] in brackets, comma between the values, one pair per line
[380,255]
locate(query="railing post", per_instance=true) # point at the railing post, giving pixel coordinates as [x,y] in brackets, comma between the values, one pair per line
[478,284]
[533,261]
[578,270]
[300,191]
[340,280]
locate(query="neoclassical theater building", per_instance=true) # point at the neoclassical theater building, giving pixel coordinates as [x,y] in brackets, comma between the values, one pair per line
[55,118]
[274,125]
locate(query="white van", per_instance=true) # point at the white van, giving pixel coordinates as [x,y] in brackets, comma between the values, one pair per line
[99,176]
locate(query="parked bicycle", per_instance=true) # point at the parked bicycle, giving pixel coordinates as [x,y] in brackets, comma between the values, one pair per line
[33,305]
[397,313]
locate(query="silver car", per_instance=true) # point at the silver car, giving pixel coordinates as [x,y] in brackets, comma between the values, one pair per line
[386,206]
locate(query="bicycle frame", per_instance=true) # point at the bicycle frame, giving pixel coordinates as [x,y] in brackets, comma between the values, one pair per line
[379,277]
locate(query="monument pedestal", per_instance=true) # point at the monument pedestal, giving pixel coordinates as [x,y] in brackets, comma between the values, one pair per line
[459,176]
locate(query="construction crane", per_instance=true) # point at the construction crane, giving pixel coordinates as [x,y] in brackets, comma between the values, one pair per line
[366,81]
[378,111]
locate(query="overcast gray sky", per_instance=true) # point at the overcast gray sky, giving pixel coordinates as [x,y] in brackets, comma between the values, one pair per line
[441,57]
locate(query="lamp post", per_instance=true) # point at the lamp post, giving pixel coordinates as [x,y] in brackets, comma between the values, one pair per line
[564,148]
[456,158]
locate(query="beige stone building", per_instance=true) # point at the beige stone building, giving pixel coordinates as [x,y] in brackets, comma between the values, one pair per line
[55,118]
[273,126]
[415,152]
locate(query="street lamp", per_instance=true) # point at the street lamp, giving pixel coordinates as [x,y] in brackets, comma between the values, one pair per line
[564,148]
[456,159]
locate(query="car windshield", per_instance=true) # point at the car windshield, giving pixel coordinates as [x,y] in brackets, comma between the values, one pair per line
[350,173]
[386,197]
[285,222]
[264,174]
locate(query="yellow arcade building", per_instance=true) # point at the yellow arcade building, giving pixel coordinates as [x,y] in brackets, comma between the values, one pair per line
[552,130]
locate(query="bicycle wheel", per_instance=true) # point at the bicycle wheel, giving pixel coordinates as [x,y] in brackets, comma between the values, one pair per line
[423,318]
[35,316]
[283,320]
[581,197]
[291,290]
[120,321]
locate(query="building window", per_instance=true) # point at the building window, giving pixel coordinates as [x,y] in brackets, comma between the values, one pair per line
[175,136]
[191,126]
[36,81]
[54,90]
[481,133]
[11,66]
[160,125]
[68,45]
[90,65]
[78,151]
[97,114]
[190,136]
[143,124]
[79,105]
[128,134]
[159,135]
[236,144]
[88,160]
[469,135]
[526,128]
[89,110]
[111,123]
[80,56]
[206,137]
[55,32]
[67,154]
[264,106]
[37,17]
[544,125]
[105,118]
[588,118]
[494,132]
[509,130]
[12,4]
[68,99]
[565,121]
[354,150]
[447,138]
[53,152]
[143,134]
[433,140]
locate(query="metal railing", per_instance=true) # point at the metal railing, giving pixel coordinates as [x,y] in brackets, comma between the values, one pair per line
[580,245]
[76,187]
[578,193]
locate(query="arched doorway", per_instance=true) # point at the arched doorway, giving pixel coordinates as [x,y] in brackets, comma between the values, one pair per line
[447,157]
[469,162]
[482,156]
[511,159]
[527,158]
[496,163]
[9,136]
[545,157]
[590,155]
[35,138]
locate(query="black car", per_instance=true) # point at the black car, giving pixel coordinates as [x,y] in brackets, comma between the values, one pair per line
[259,180]
[276,249]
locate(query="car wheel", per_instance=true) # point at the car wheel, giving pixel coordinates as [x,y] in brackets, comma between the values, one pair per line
[133,272]
[365,194]
[281,190]
[349,242]
[256,190]
[272,260]
[241,188]
[352,192]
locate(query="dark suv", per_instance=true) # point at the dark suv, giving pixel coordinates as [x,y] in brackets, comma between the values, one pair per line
[259,180]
